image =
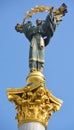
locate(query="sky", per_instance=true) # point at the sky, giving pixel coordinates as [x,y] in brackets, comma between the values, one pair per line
[59,61]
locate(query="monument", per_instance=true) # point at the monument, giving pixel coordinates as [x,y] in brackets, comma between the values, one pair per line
[34,102]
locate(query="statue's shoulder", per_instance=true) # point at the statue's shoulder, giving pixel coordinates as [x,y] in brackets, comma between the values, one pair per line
[34,27]
[28,23]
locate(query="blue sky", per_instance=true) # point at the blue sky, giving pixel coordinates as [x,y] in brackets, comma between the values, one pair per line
[59,61]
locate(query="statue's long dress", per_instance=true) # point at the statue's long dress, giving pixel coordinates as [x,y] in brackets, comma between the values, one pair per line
[36,55]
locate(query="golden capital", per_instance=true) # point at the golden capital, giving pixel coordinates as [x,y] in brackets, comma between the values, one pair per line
[34,103]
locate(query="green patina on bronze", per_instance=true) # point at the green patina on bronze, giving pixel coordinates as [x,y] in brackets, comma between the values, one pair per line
[39,36]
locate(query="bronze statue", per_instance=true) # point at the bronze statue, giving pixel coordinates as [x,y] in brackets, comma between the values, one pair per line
[40,35]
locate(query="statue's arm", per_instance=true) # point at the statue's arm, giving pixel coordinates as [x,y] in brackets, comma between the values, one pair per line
[50,23]
[24,27]
[55,17]
[49,27]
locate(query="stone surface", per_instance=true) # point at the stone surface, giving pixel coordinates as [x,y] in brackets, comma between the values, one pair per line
[32,126]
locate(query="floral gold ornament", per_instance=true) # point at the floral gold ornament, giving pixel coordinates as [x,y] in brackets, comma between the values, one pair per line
[59,12]
[33,103]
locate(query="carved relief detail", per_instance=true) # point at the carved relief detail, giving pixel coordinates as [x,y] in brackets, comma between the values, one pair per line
[33,104]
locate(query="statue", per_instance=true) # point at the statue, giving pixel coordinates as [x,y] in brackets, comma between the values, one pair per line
[40,35]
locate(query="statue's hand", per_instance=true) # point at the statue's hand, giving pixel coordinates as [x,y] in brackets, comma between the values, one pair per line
[18,27]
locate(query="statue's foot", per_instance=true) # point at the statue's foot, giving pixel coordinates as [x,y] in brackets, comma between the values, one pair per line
[32,70]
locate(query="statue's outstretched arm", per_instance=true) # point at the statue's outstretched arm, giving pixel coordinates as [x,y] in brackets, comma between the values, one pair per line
[24,27]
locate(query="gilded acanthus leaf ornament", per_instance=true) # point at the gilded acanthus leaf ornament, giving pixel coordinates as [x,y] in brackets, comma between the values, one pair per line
[33,103]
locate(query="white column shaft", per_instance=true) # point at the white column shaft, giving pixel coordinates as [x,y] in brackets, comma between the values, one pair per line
[32,126]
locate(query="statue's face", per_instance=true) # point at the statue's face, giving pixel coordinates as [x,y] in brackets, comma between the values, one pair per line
[38,21]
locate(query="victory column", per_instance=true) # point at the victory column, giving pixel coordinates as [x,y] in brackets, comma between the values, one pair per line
[34,102]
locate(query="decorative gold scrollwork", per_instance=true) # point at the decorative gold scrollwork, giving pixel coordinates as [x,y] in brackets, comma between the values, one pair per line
[33,104]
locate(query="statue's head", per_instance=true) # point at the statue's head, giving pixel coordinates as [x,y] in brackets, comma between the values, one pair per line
[38,22]
[30,23]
